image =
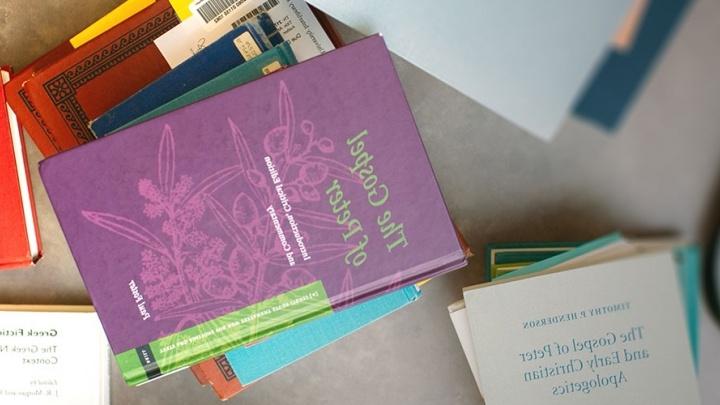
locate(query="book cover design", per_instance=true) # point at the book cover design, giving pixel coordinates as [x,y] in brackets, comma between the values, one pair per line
[95,77]
[599,341]
[17,96]
[305,189]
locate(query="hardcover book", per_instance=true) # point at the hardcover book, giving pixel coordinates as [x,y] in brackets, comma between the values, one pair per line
[17,96]
[268,62]
[235,48]
[254,210]
[252,363]
[529,71]
[600,341]
[19,235]
[52,355]
[100,74]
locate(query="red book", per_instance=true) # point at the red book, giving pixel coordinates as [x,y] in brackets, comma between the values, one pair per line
[19,235]
[80,86]
[218,374]
[19,101]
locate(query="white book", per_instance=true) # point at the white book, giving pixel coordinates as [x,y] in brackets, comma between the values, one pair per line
[607,333]
[53,355]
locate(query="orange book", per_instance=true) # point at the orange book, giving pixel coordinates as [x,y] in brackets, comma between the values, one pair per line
[218,374]
[19,234]
[625,35]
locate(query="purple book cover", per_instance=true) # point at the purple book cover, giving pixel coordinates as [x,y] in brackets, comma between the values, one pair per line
[253,210]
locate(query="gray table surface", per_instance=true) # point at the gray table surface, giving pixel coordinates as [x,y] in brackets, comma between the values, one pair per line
[659,173]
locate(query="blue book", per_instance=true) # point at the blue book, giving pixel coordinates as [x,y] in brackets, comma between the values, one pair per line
[232,50]
[280,350]
[621,74]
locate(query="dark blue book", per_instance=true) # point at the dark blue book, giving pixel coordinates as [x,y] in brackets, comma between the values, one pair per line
[609,95]
[233,49]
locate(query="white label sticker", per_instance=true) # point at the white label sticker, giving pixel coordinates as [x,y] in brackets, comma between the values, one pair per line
[272,67]
[247,46]
[293,20]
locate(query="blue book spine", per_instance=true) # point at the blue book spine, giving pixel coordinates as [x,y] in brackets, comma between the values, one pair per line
[262,359]
[216,59]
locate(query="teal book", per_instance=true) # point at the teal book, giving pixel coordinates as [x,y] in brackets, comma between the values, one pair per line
[268,62]
[255,362]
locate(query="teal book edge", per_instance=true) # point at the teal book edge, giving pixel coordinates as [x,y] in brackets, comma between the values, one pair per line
[252,363]
[522,252]
[689,265]
[269,61]
[563,257]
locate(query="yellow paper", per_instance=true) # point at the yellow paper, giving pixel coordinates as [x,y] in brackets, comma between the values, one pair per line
[182,8]
[121,13]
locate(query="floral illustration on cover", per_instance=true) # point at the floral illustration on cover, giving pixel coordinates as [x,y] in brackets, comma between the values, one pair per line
[192,272]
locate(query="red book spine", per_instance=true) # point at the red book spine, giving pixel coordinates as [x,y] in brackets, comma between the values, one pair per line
[23,107]
[15,239]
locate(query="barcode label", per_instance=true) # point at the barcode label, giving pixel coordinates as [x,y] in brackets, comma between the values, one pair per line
[265,7]
[211,9]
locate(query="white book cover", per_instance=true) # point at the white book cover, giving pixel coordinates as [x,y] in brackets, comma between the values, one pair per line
[526,60]
[611,333]
[53,358]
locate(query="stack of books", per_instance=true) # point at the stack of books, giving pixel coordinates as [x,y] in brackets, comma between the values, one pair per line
[577,323]
[237,193]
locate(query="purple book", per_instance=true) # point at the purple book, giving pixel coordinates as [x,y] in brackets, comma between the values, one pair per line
[252,211]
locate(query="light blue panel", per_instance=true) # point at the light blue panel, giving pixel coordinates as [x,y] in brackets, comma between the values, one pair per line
[527,60]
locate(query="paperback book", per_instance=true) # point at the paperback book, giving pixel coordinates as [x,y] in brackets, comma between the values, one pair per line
[268,205]
[52,355]
[610,341]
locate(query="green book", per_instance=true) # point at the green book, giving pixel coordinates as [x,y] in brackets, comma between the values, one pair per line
[269,61]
